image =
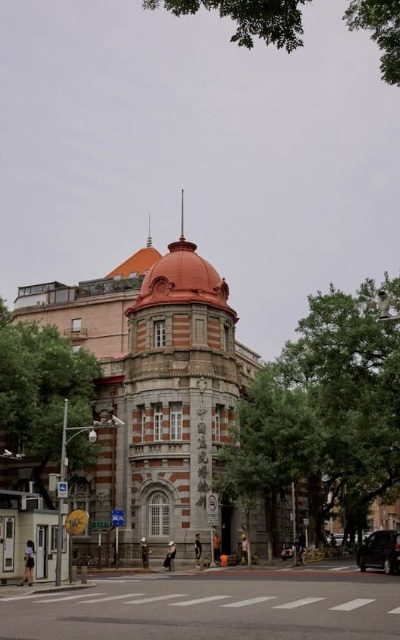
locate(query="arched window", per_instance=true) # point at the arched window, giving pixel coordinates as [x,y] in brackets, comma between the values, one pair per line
[159,514]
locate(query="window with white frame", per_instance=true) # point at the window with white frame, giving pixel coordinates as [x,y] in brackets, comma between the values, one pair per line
[175,421]
[217,422]
[159,333]
[159,514]
[157,422]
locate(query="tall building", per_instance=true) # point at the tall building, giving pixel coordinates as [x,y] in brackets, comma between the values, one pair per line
[173,371]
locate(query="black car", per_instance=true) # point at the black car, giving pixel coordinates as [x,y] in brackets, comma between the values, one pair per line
[380,550]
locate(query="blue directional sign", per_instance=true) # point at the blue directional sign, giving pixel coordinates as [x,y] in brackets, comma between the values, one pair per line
[62,489]
[117,518]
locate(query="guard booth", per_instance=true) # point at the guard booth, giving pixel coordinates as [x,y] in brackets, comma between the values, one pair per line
[23,518]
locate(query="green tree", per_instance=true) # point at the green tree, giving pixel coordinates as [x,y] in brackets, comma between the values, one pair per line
[382,19]
[349,363]
[5,315]
[278,443]
[38,370]
[280,22]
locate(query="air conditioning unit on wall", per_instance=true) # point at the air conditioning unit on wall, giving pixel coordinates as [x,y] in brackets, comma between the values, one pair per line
[31,504]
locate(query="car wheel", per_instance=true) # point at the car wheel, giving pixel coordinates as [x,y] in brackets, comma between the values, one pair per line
[362,566]
[387,567]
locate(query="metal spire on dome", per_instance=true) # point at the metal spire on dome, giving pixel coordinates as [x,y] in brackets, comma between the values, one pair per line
[182,216]
[149,241]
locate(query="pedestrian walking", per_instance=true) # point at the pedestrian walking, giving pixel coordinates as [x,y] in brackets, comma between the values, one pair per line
[145,551]
[29,563]
[198,549]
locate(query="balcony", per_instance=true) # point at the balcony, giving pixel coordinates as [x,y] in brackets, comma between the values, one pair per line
[159,449]
[76,334]
[112,368]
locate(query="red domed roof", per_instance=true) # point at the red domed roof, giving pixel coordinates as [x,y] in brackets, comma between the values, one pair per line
[182,277]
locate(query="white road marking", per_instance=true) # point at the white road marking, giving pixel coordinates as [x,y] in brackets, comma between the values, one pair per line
[298,603]
[59,598]
[96,580]
[244,603]
[31,596]
[341,568]
[120,597]
[187,603]
[395,610]
[352,604]
[156,598]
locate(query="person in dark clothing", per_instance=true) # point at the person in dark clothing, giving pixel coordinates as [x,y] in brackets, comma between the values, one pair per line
[300,545]
[302,541]
[144,548]
[29,560]
[170,557]
[198,549]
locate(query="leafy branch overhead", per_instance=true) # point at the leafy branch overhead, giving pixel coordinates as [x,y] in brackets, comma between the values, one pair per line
[280,23]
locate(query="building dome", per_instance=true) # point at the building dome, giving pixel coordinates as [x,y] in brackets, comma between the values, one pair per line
[182,276]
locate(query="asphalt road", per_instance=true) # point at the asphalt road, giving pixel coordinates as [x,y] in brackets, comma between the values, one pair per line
[333,601]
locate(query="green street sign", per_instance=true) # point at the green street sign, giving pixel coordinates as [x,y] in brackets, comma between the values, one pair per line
[99,524]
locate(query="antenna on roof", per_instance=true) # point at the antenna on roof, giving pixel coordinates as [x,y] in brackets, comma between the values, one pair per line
[182,234]
[149,242]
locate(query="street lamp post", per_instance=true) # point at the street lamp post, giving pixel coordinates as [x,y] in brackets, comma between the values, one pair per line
[61,500]
[114,421]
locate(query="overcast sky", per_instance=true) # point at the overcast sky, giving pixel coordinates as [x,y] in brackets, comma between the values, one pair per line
[290,164]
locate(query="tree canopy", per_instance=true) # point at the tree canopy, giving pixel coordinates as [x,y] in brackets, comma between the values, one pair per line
[350,365]
[278,440]
[328,411]
[5,315]
[38,370]
[280,23]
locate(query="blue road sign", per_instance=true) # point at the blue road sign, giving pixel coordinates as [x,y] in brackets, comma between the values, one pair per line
[62,489]
[117,518]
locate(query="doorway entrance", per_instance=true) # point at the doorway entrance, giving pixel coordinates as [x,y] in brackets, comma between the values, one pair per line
[226,529]
[41,551]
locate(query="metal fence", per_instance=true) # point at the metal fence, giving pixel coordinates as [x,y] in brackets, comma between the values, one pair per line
[105,555]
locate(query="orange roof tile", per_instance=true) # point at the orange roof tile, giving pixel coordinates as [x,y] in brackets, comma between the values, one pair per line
[139,263]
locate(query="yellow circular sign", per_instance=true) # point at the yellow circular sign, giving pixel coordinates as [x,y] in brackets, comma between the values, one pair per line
[76,522]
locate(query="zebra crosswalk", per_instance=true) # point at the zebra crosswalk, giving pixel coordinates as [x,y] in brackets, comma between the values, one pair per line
[275,602]
[320,567]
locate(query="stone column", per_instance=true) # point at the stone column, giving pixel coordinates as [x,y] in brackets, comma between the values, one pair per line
[201,451]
